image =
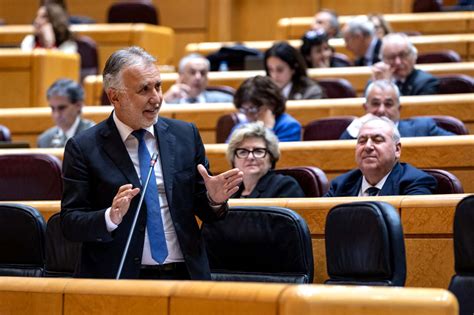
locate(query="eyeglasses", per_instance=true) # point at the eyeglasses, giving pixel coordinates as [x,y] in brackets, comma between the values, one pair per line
[249,110]
[258,153]
[402,55]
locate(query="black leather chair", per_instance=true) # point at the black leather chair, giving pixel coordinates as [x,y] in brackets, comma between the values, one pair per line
[224,126]
[438,57]
[462,283]
[87,49]
[455,83]
[30,177]
[22,231]
[329,128]
[342,59]
[222,88]
[312,180]
[449,123]
[61,255]
[5,134]
[260,244]
[426,6]
[447,182]
[337,88]
[133,12]
[365,245]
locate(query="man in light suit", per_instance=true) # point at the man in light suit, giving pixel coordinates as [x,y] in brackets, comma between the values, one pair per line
[65,98]
[379,171]
[382,98]
[361,40]
[103,176]
[192,83]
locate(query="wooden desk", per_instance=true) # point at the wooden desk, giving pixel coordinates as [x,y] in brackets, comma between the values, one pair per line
[26,76]
[429,23]
[157,40]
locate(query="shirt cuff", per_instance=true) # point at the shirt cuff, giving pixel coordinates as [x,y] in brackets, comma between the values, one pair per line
[110,225]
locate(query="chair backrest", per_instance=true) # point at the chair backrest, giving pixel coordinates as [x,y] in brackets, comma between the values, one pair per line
[449,123]
[312,180]
[426,6]
[462,283]
[365,245]
[329,128]
[222,88]
[438,57]
[234,56]
[5,134]
[447,182]
[61,255]
[133,12]
[455,83]
[342,59]
[225,123]
[260,244]
[337,88]
[22,231]
[87,49]
[30,177]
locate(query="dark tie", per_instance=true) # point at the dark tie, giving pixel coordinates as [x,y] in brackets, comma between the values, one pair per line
[372,191]
[399,85]
[192,100]
[154,222]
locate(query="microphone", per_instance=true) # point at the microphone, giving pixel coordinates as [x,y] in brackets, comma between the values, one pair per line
[140,202]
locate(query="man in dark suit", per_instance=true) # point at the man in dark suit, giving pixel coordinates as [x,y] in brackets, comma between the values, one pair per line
[398,65]
[382,98]
[104,170]
[361,40]
[379,171]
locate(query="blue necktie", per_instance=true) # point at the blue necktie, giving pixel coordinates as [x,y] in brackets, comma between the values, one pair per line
[372,191]
[154,222]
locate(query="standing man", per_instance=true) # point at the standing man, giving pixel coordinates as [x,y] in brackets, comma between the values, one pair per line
[66,99]
[361,40]
[104,170]
[192,83]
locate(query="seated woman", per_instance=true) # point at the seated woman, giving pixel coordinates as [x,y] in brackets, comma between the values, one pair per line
[259,99]
[51,30]
[317,53]
[285,65]
[382,27]
[254,150]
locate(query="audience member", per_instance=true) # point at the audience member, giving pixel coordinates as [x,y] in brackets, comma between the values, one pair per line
[316,51]
[382,27]
[359,36]
[398,64]
[66,98]
[192,83]
[253,149]
[379,171]
[51,30]
[326,20]
[382,99]
[259,99]
[285,65]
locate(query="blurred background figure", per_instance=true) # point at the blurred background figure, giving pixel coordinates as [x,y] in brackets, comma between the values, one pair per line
[326,20]
[259,99]
[287,68]
[254,150]
[51,30]
[360,39]
[317,53]
[382,27]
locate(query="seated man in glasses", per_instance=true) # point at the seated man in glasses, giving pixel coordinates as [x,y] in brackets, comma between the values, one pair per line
[260,99]
[65,98]
[254,150]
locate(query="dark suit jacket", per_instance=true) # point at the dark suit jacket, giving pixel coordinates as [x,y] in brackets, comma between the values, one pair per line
[96,163]
[273,185]
[45,140]
[415,127]
[419,82]
[403,180]
[375,56]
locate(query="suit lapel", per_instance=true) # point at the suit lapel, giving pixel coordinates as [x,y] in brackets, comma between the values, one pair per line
[166,146]
[391,184]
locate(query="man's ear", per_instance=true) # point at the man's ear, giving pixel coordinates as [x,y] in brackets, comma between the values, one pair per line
[113,95]
[364,106]
[398,150]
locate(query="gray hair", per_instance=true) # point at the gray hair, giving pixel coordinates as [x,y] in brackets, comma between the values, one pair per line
[124,58]
[334,22]
[253,130]
[398,38]
[66,88]
[361,24]
[391,124]
[188,58]
[383,85]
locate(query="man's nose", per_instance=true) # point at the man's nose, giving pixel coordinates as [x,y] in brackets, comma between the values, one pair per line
[381,110]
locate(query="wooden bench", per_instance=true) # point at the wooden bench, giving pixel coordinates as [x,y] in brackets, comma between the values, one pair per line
[26,76]
[157,40]
[461,43]
[429,23]
[27,123]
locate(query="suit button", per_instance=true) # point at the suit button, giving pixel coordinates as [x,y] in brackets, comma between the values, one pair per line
[136,260]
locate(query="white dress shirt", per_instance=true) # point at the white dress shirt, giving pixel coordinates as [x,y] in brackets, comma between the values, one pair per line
[365,185]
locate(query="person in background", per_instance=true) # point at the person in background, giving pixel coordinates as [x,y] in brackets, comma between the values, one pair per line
[51,30]
[259,99]
[253,149]
[382,27]
[316,51]
[66,99]
[192,83]
[287,68]
[379,171]
[359,36]
[326,20]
